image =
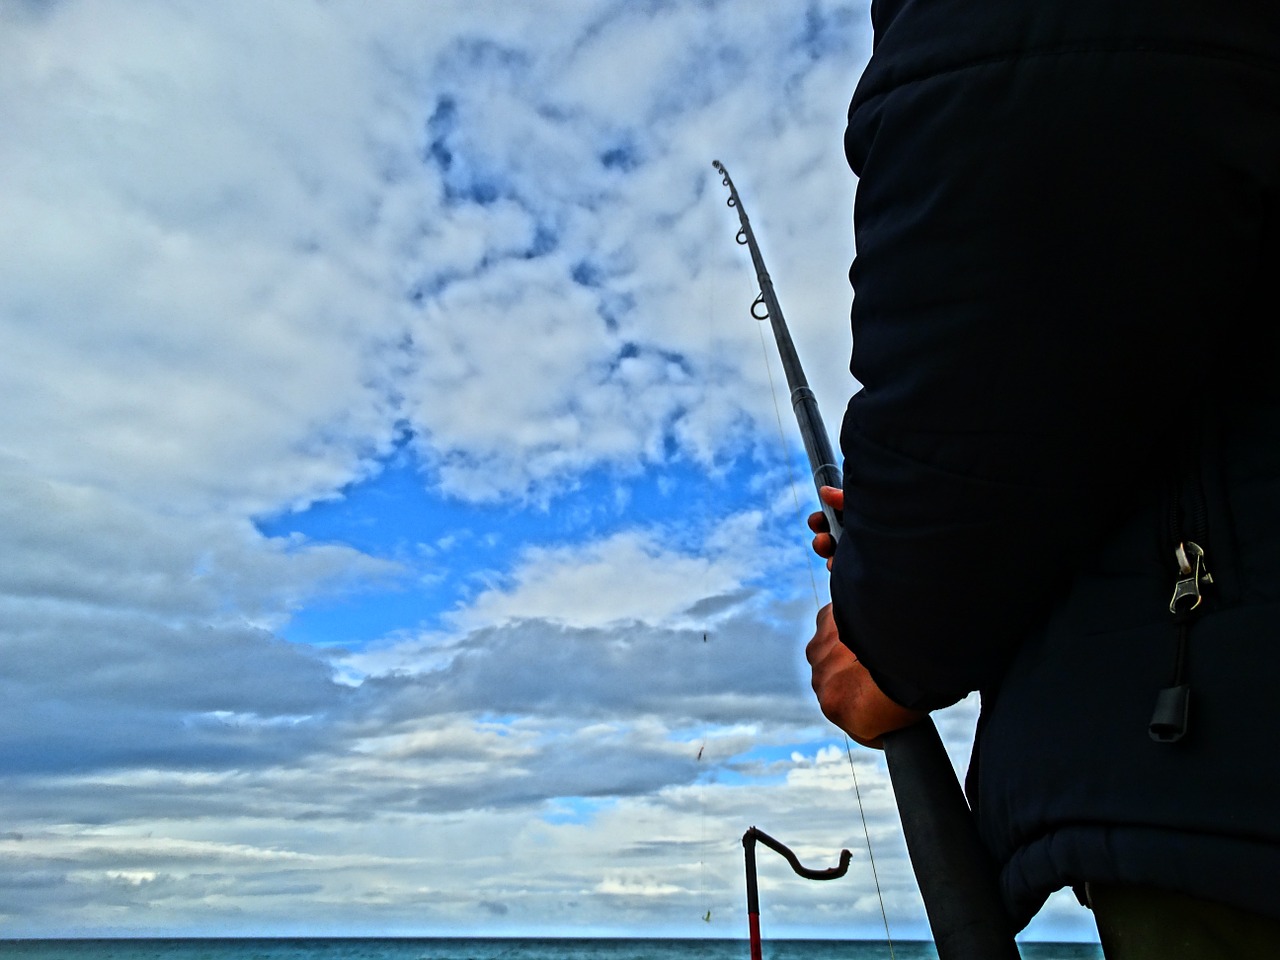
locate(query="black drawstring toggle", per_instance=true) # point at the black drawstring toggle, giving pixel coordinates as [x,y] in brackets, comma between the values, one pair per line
[1169,719]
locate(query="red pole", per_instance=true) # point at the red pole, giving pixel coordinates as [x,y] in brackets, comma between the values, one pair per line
[753,919]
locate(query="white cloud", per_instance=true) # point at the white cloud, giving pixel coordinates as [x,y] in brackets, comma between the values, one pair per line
[629,577]
[213,239]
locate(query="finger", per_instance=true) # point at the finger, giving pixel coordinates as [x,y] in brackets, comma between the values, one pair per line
[813,649]
[818,651]
[818,522]
[824,545]
[825,618]
[819,646]
[832,497]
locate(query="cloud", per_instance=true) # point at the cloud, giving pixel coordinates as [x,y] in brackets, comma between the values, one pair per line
[133,639]
[630,576]
[547,669]
[252,256]
[587,336]
[400,854]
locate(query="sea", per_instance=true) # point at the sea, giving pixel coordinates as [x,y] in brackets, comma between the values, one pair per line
[478,948]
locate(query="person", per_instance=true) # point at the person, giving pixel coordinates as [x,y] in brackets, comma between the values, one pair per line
[1062,467]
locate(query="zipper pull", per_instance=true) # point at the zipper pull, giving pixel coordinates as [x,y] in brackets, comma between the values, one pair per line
[1187,593]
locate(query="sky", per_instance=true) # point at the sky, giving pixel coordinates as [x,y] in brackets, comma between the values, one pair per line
[401,535]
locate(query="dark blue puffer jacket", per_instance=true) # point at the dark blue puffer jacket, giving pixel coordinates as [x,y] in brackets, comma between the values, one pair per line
[1065,328]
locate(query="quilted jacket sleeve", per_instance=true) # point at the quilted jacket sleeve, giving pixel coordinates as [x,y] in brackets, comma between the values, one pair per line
[1031,287]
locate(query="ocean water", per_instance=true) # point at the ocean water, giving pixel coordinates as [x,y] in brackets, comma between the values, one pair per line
[478,948]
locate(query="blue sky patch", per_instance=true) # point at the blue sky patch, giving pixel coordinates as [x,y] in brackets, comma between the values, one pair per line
[575,810]
[452,548]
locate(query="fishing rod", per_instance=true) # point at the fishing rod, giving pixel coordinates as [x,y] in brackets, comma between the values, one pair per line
[953,870]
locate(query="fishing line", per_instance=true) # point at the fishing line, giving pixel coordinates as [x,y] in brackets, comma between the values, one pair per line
[848,750]
[817,602]
[702,817]
[709,305]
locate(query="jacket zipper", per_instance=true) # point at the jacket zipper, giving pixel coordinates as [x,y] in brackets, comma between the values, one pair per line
[1188,528]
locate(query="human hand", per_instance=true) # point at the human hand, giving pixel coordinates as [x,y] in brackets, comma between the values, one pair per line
[848,696]
[824,544]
